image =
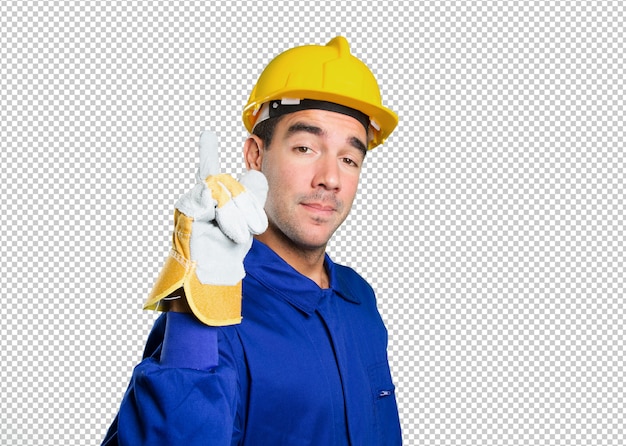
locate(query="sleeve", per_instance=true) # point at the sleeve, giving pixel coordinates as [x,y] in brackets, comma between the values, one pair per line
[183,393]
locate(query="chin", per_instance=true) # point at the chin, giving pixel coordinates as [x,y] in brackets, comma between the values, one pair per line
[303,234]
[310,242]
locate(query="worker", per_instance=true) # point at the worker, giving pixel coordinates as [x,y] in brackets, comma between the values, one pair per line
[263,339]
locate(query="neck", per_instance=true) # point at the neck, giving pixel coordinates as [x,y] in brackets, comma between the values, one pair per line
[308,262]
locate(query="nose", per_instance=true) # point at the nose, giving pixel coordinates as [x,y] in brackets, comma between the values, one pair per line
[327,174]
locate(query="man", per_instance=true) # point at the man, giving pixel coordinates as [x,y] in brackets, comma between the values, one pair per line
[307,363]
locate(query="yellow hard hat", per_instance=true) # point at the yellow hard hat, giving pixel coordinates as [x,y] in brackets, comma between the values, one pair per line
[322,73]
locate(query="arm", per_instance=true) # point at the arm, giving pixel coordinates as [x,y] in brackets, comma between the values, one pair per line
[179,395]
[185,392]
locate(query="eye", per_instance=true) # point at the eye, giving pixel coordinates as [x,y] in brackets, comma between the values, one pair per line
[302,149]
[349,161]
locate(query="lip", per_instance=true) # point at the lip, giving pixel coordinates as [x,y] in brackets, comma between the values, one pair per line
[319,207]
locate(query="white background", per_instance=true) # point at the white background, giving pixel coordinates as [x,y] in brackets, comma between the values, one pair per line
[491,224]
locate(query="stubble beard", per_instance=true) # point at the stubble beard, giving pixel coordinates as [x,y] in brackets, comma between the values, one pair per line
[289,227]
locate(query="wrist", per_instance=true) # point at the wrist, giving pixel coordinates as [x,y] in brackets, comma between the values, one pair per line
[188,343]
[178,305]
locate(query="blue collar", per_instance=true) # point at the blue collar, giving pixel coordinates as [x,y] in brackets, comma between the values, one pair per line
[267,267]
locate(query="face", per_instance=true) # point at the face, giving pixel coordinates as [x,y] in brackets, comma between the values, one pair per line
[312,167]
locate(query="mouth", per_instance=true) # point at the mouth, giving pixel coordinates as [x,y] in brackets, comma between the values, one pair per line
[320,208]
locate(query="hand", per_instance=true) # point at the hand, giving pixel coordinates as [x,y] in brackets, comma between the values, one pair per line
[214,224]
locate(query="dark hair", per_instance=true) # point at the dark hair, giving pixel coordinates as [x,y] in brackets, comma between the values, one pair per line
[265,130]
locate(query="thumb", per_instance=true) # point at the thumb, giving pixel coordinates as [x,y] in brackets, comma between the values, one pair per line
[209,157]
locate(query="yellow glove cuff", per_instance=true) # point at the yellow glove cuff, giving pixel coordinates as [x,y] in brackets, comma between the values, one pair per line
[215,305]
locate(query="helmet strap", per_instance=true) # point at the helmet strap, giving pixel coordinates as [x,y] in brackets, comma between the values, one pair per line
[277,108]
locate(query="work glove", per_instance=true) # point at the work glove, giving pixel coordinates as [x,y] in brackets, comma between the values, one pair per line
[213,227]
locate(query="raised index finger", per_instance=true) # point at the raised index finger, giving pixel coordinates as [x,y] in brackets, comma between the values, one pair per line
[209,157]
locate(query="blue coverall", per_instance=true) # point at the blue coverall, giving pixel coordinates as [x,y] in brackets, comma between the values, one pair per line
[307,366]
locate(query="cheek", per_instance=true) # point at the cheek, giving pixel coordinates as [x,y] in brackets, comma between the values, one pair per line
[282,179]
[280,186]
[350,187]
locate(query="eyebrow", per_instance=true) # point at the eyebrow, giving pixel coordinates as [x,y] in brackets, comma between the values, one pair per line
[302,127]
[357,143]
[307,128]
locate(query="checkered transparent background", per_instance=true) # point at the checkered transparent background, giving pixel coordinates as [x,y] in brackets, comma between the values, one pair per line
[491,224]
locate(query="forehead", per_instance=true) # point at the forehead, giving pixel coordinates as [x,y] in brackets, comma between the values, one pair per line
[328,121]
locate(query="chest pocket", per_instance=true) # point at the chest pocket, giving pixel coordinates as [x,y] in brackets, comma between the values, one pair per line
[387,423]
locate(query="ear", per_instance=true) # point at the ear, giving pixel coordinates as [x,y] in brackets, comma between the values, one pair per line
[253,150]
